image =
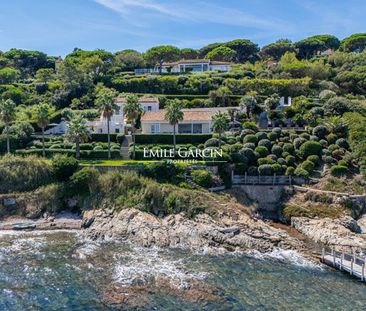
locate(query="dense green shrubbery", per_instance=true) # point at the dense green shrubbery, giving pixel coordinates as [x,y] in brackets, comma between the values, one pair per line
[84,180]
[202,178]
[63,167]
[338,170]
[128,190]
[310,148]
[164,172]
[23,173]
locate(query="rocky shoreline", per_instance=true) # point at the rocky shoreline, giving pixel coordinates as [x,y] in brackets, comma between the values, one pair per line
[233,232]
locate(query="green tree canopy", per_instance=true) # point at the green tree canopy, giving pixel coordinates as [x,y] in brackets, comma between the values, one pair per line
[245,50]
[354,43]
[188,53]
[128,60]
[163,53]
[221,53]
[309,47]
[277,49]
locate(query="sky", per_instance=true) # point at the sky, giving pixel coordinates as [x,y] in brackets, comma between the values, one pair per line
[56,27]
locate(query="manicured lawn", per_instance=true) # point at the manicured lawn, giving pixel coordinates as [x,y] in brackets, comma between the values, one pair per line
[127,162]
[113,162]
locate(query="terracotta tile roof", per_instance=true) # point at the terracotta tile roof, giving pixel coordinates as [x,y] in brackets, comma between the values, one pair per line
[195,114]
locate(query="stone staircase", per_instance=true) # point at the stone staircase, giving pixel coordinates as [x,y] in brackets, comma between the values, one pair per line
[125,147]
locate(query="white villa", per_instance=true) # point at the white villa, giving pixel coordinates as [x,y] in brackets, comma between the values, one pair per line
[196,120]
[189,65]
[118,122]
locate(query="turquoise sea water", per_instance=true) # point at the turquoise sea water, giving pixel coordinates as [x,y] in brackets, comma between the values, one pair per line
[59,271]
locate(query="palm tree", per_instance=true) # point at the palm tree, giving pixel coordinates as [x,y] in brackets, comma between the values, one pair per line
[42,116]
[106,102]
[248,102]
[132,110]
[173,115]
[7,115]
[220,123]
[77,132]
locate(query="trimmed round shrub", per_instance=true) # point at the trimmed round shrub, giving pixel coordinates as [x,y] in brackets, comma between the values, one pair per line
[323,142]
[277,150]
[342,163]
[253,171]
[265,170]
[263,161]
[338,154]
[285,154]
[290,160]
[266,143]
[262,151]
[281,161]
[310,148]
[300,172]
[63,167]
[298,142]
[202,178]
[278,131]
[290,171]
[240,168]
[261,135]
[333,147]
[231,140]
[280,144]
[212,142]
[342,143]
[326,152]
[293,136]
[272,136]
[234,148]
[250,139]
[316,138]
[273,157]
[239,158]
[305,136]
[250,125]
[338,170]
[249,145]
[248,153]
[308,166]
[331,138]
[288,147]
[245,133]
[320,131]
[285,139]
[277,169]
[84,179]
[328,159]
[314,158]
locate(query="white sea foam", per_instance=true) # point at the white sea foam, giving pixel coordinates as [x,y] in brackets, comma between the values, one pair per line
[288,256]
[142,266]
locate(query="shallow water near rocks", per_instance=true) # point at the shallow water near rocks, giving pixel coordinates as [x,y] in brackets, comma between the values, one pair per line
[59,271]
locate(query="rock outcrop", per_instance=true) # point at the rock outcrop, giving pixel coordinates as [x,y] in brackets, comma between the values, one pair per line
[229,230]
[338,233]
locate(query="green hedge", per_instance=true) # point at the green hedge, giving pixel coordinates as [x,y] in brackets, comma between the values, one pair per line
[15,143]
[84,154]
[168,138]
[103,137]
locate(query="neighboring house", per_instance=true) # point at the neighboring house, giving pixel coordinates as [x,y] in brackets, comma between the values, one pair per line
[188,65]
[56,128]
[118,122]
[195,121]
